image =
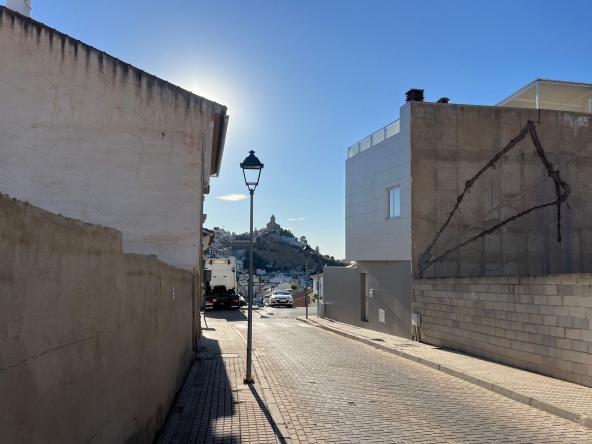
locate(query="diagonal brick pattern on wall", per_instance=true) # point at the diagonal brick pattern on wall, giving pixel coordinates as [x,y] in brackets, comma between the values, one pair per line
[538,323]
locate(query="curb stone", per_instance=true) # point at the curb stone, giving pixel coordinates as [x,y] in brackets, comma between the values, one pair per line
[515,395]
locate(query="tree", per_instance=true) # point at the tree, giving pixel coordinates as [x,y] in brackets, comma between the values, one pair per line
[318,250]
[293,285]
[303,240]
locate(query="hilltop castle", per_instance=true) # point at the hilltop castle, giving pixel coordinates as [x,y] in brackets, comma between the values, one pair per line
[272,226]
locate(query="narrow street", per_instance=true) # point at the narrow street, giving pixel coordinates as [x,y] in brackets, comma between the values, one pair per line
[331,389]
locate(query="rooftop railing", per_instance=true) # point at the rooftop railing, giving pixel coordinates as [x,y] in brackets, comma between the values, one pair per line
[380,135]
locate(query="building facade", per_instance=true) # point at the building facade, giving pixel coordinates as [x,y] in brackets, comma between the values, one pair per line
[453,191]
[90,137]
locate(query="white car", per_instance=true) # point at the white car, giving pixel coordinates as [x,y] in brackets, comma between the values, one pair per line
[281,297]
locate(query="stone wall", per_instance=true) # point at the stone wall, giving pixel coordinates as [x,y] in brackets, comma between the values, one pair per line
[88,136]
[539,323]
[500,191]
[94,343]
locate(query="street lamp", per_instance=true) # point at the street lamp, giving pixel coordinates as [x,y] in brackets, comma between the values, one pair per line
[251,167]
[306,250]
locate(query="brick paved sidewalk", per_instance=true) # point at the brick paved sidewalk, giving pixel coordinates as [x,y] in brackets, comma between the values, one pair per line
[564,399]
[214,405]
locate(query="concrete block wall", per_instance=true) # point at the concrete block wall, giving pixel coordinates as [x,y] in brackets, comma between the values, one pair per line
[538,323]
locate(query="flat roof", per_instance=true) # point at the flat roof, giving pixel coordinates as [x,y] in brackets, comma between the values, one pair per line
[552,94]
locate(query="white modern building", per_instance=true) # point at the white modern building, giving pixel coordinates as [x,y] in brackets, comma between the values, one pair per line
[405,182]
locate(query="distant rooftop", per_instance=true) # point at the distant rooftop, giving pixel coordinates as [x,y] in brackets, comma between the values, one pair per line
[539,94]
[552,94]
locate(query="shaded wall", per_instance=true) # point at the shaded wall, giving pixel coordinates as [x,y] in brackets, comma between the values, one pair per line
[346,288]
[538,323]
[88,136]
[93,346]
[507,171]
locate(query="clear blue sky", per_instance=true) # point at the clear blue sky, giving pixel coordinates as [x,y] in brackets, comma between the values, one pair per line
[305,79]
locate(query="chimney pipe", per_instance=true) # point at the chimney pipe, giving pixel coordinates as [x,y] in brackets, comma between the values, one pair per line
[415,95]
[21,6]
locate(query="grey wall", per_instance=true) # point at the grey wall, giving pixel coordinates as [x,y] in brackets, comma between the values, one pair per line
[539,323]
[369,234]
[453,146]
[93,346]
[391,284]
[341,297]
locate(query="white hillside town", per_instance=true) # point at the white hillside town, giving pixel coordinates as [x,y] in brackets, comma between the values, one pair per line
[268,276]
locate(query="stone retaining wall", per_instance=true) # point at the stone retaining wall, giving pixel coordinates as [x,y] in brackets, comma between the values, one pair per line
[539,323]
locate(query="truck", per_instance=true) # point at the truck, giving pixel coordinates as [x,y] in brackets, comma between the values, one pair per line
[220,289]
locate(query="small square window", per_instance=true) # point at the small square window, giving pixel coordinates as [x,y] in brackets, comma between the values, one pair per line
[394,202]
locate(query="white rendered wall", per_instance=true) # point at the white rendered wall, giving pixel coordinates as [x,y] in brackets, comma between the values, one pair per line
[90,137]
[369,235]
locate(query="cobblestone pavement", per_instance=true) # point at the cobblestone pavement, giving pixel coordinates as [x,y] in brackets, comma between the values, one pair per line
[561,393]
[214,405]
[332,389]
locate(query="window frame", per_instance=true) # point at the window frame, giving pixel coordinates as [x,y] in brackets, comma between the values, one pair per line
[388,202]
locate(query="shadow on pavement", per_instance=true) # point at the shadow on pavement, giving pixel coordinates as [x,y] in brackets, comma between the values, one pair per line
[228,315]
[203,402]
[263,407]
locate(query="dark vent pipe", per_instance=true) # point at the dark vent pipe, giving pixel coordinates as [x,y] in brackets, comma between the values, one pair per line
[415,95]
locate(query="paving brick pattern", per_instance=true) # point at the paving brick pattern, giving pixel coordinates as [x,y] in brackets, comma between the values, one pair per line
[332,389]
[556,391]
[214,405]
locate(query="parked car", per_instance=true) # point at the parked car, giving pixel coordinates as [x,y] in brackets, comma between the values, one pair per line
[281,297]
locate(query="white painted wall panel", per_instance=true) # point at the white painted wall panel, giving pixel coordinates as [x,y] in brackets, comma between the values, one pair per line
[370,236]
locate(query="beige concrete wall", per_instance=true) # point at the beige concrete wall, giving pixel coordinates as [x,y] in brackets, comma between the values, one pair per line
[88,136]
[539,323]
[93,346]
[452,144]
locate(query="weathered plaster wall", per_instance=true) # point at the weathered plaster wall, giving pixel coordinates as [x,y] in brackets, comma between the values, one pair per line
[93,346]
[539,323]
[90,137]
[487,183]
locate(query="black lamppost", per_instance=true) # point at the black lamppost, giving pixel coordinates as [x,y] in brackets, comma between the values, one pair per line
[251,167]
[306,250]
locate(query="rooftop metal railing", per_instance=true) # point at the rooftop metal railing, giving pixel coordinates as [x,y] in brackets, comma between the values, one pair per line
[380,135]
